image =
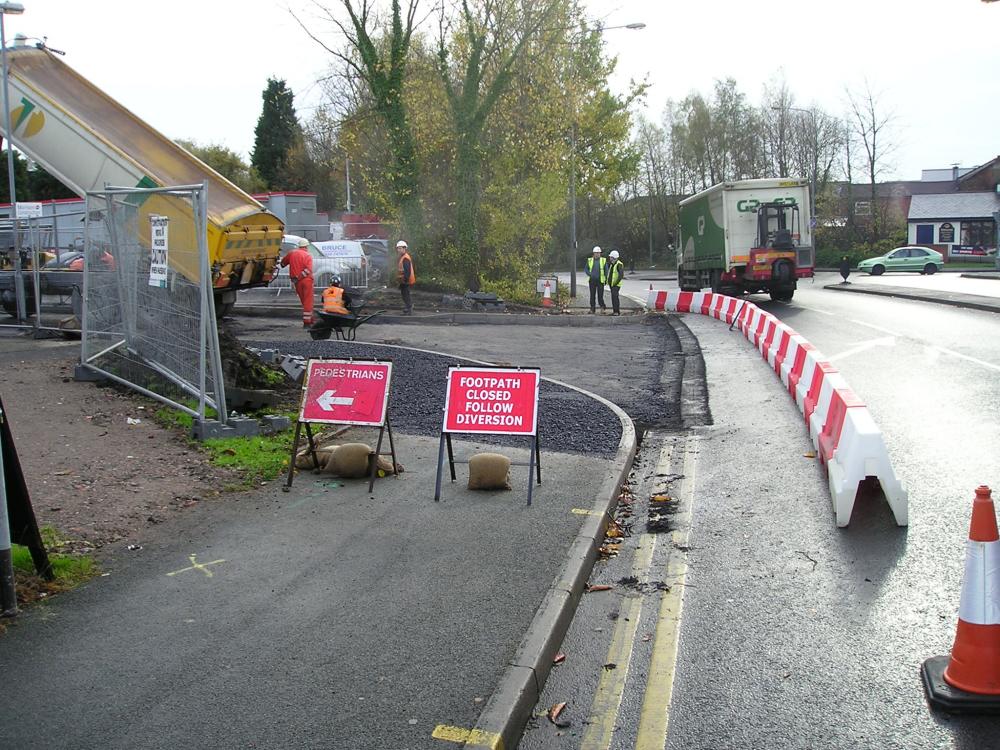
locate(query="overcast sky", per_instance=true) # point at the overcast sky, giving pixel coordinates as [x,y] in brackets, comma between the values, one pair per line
[196,68]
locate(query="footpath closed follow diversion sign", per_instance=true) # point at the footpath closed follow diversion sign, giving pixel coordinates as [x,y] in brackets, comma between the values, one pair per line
[339,391]
[492,400]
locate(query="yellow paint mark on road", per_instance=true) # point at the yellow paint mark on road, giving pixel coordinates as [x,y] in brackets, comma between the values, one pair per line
[585,512]
[608,698]
[471,737]
[195,565]
[654,716]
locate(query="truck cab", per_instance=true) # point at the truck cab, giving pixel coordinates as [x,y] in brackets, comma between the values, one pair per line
[746,237]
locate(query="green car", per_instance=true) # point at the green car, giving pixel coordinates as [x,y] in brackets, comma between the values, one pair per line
[909,258]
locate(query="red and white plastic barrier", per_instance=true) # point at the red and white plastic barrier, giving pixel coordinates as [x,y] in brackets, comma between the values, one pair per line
[847,440]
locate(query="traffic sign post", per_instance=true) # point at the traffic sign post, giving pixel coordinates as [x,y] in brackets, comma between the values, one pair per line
[346,392]
[487,400]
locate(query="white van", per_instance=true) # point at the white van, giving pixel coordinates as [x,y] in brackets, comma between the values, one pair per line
[344,258]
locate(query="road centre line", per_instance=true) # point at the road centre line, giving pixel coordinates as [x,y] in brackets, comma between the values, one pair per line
[816,310]
[654,717]
[966,357]
[880,329]
[863,347]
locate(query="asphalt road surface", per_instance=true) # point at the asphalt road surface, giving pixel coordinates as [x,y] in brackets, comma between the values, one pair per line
[795,634]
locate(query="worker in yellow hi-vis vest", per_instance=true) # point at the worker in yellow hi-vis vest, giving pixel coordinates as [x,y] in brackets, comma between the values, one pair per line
[597,278]
[616,272]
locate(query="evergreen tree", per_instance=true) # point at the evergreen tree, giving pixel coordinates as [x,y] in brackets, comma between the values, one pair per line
[276,132]
[30,185]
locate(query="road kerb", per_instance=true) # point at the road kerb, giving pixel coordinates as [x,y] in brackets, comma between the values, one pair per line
[509,708]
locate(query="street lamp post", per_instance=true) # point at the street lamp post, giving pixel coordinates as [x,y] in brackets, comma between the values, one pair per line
[812,190]
[13,9]
[8,9]
[8,594]
[572,178]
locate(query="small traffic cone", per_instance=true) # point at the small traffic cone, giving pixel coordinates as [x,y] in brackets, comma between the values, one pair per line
[969,681]
[547,296]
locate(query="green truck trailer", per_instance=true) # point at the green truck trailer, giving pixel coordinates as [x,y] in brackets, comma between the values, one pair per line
[745,237]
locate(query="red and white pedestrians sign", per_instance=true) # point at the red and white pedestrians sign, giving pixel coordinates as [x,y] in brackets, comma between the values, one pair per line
[492,400]
[342,391]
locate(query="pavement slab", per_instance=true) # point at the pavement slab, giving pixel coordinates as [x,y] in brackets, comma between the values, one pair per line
[325,617]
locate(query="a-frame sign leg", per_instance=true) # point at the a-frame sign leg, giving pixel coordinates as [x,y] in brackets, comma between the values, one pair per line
[374,459]
[440,468]
[531,467]
[538,459]
[295,452]
[392,446]
[291,461]
[451,456]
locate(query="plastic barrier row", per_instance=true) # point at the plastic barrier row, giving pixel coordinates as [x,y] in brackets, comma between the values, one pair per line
[846,438]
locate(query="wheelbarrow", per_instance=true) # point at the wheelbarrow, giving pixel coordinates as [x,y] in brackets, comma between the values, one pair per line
[345,326]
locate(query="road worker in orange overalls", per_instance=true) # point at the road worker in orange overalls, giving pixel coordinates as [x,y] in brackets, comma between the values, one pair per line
[300,267]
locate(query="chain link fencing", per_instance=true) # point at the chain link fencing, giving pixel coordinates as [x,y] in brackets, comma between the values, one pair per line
[148,319]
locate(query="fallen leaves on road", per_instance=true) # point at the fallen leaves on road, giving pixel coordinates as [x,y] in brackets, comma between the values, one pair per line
[559,658]
[809,454]
[592,587]
[554,714]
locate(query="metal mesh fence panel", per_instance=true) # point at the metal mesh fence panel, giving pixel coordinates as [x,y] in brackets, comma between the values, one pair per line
[148,317]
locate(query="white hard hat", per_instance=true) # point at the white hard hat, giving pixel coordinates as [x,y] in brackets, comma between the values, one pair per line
[401,243]
[614,255]
[303,242]
[597,248]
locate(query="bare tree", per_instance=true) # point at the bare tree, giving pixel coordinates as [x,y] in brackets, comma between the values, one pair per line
[776,118]
[872,124]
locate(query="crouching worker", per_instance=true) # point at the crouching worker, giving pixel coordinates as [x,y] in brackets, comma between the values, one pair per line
[334,300]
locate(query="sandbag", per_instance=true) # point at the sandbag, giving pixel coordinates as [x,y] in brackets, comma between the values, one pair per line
[489,471]
[304,459]
[349,461]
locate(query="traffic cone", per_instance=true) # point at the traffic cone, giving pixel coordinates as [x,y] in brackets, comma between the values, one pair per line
[547,296]
[969,681]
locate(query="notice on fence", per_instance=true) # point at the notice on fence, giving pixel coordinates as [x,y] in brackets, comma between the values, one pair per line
[158,246]
[492,400]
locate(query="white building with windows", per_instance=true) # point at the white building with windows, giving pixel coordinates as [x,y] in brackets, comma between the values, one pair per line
[958,225]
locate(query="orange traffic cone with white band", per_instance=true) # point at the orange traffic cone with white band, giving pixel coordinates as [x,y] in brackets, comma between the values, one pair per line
[547,296]
[969,681]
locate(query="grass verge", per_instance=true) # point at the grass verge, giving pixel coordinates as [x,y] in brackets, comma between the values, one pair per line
[70,570]
[257,459]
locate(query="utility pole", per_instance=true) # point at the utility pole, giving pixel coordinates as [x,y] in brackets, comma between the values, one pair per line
[572,213]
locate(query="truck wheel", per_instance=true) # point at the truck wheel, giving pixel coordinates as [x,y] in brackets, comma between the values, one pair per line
[877,270]
[716,281]
[782,295]
[782,272]
[930,268]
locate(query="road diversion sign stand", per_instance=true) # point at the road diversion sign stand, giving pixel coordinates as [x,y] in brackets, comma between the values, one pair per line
[486,400]
[345,391]
[17,520]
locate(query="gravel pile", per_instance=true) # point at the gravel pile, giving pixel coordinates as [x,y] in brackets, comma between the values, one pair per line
[569,422]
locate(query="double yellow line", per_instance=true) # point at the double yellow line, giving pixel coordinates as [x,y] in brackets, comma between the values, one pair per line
[655,713]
